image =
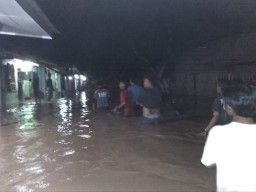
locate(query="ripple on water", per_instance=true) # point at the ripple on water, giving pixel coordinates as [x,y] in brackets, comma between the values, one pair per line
[63,142]
[35,170]
[83,125]
[64,129]
[20,188]
[69,152]
[85,136]
[65,152]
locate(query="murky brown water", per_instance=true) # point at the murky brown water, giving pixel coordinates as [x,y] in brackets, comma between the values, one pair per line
[62,147]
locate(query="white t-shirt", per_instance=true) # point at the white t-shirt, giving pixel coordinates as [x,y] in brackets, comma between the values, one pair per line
[232,148]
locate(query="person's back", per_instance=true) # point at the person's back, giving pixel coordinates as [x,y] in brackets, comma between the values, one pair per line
[231,147]
[101,96]
[234,156]
[135,91]
[49,83]
[35,82]
[50,88]
[151,98]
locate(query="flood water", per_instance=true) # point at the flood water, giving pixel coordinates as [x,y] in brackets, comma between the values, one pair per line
[61,146]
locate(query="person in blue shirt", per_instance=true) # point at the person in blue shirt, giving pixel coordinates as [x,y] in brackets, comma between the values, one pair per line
[135,91]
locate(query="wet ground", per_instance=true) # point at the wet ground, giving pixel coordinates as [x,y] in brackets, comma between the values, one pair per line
[61,146]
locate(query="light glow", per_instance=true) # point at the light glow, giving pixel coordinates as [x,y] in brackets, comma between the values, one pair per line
[7,33]
[83,78]
[76,76]
[24,66]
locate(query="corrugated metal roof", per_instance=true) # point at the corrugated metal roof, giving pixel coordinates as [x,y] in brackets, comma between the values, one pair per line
[15,20]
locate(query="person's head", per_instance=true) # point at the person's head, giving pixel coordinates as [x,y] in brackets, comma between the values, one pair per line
[240,100]
[100,84]
[122,85]
[132,82]
[149,81]
[221,84]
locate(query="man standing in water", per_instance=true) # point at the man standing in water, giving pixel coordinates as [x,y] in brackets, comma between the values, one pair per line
[150,100]
[220,117]
[101,98]
[50,88]
[125,107]
[231,147]
[35,85]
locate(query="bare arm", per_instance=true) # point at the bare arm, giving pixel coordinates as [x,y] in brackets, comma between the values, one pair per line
[119,106]
[212,122]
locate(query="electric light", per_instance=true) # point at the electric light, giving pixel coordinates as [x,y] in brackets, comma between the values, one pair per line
[76,76]
[83,78]
[24,66]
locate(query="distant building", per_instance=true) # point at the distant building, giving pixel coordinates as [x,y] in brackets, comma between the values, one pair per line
[17,75]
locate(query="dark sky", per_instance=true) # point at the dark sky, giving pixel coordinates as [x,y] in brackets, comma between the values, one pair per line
[102,35]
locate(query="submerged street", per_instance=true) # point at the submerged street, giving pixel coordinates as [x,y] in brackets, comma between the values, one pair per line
[61,146]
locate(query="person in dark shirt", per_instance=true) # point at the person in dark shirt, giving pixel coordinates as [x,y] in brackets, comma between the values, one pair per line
[125,107]
[50,88]
[35,85]
[150,100]
[20,85]
[220,117]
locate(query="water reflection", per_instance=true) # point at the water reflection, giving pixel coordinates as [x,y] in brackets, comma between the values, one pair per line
[43,136]
[57,147]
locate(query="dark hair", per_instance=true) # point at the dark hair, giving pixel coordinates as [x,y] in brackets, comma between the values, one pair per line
[100,83]
[223,83]
[133,80]
[241,97]
[152,79]
[124,82]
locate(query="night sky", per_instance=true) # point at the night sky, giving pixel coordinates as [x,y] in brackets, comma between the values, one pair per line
[128,36]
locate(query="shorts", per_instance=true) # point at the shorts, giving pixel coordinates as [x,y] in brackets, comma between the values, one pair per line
[153,119]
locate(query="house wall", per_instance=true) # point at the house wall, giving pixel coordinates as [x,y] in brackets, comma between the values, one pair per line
[8,97]
[198,70]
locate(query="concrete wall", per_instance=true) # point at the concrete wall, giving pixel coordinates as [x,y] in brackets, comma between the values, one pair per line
[197,70]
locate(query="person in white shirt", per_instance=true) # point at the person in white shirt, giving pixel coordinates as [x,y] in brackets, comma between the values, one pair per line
[231,147]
